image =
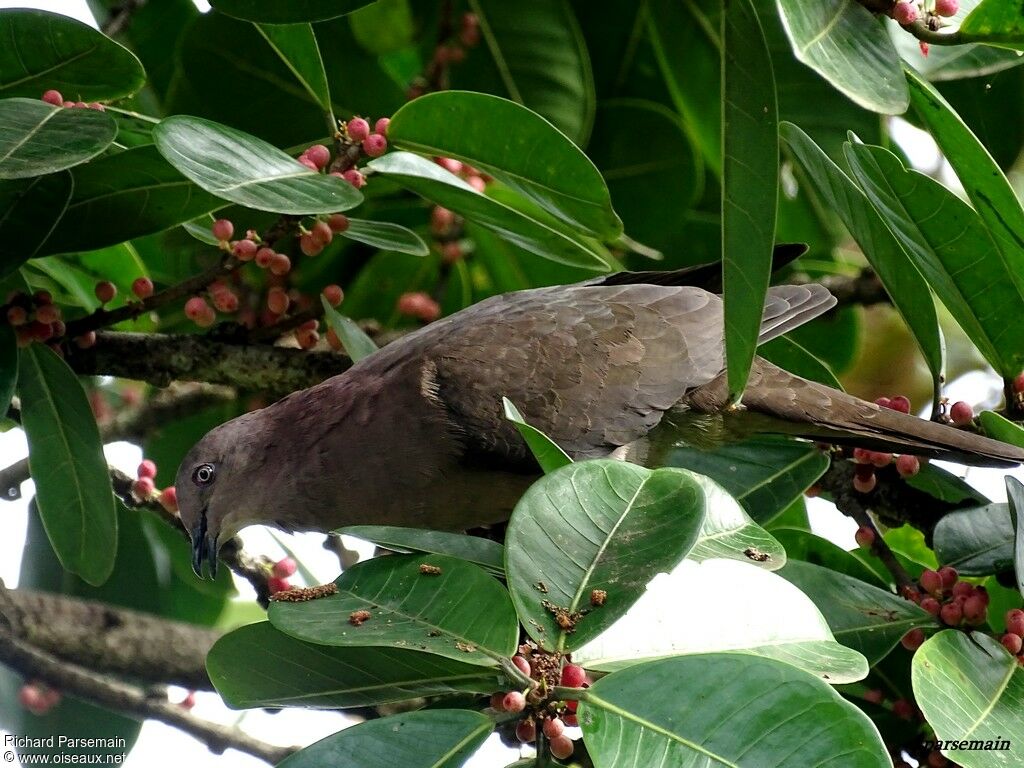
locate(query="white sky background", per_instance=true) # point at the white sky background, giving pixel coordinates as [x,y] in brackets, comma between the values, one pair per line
[158,742]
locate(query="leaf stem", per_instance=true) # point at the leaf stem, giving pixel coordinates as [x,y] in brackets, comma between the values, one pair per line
[920,30]
[132,113]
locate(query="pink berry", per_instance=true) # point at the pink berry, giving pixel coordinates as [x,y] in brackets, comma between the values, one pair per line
[1018,383]
[338,222]
[553,727]
[225,301]
[169,499]
[306,339]
[285,567]
[375,145]
[309,246]
[522,665]
[951,614]
[883,402]
[17,316]
[450,164]
[514,701]
[931,605]
[963,589]
[86,340]
[96,106]
[931,582]
[900,403]
[48,313]
[419,305]
[903,709]
[904,13]
[280,264]
[1015,621]
[333,294]
[358,129]
[69,105]
[441,220]
[949,576]
[865,537]
[477,183]
[570,720]
[81,105]
[865,484]
[195,308]
[146,469]
[277,301]
[355,178]
[222,229]
[573,676]
[143,487]
[908,465]
[142,287]
[245,250]
[382,125]
[1013,643]
[961,414]
[880,459]
[319,154]
[321,233]
[264,257]
[276,584]
[451,252]
[975,609]
[189,701]
[946,7]
[53,97]
[913,639]
[526,731]
[469,32]
[303,160]
[105,291]
[561,747]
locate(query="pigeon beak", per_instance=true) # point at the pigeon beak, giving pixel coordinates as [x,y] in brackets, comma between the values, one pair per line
[203,546]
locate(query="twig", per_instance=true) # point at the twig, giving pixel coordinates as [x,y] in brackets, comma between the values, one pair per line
[864,289]
[120,17]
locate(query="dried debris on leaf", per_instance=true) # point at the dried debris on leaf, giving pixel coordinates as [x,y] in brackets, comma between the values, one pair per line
[304,594]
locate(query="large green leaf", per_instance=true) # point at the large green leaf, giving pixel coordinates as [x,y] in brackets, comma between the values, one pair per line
[296,46]
[801,544]
[951,247]
[41,50]
[386,235]
[846,45]
[789,354]
[547,452]
[861,616]
[474,549]
[258,666]
[434,738]
[73,489]
[448,190]
[741,608]
[353,338]
[532,52]
[385,26]
[460,611]
[977,541]
[995,21]
[29,211]
[764,474]
[999,427]
[535,158]
[123,196]
[909,291]
[970,690]
[724,709]
[750,184]
[37,138]
[239,167]
[728,532]
[291,12]
[595,525]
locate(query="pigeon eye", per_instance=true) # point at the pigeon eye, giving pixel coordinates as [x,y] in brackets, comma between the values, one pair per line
[203,474]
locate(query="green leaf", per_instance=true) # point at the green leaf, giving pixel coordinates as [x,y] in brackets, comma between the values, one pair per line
[66,460]
[461,612]
[788,354]
[239,167]
[8,369]
[474,549]
[533,52]
[846,45]
[989,190]
[969,688]
[862,617]
[536,158]
[945,486]
[803,545]
[44,50]
[978,541]
[258,666]
[1015,497]
[951,247]
[728,532]
[764,474]
[909,290]
[742,609]
[386,26]
[30,209]
[436,738]
[355,341]
[296,46]
[995,21]
[750,184]
[724,709]
[1000,428]
[448,190]
[123,196]
[547,452]
[384,234]
[601,524]
[37,138]
[292,12]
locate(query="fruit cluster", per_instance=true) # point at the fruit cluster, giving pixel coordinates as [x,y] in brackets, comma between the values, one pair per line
[279,573]
[955,603]
[54,97]
[144,487]
[908,11]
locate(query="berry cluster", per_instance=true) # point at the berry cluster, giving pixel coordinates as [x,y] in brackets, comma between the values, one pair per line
[38,698]
[144,487]
[450,50]
[953,602]
[279,573]
[908,11]
[35,318]
[1013,640]
[54,97]
[355,139]
[864,479]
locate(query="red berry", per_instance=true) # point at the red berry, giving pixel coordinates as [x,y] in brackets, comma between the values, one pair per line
[355,178]
[309,246]
[908,465]
[321,233]
[147,468]
[142,287]
[338,222]
[169,499]
[276,584]
[358,128]
[195,308]
[189,701]
[874,695]
[264,257]
[469,31]
[319,154]
[48,313]
[903,709]
[883,402]
[865,484]
[477,183]
[17,316]
[277,301]
[561,747]
[1015,621]
[904,13]
[222,229]
[514,701]
[285,567]
[303,160]
[865,537]
[900,403]
[946,7]
[526,731]
[1018,383]
[975,609]
[951,614]
[375,145]
[451,252]
[570,721]
[913,639]
[97,106]
[880,459]
[382,125]
[573,676]
[441,220]
[105,291]
[333,294]
[553,727]
[39,331]
[418,305]
[1013,643]
[949,576]
[861,456]
[244,250]
[81,105]
[963,589]
[53,97]
[522,665]
[143,487]
[452,165]
[931,605]
[961,413]
[225,301]
[280,264]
